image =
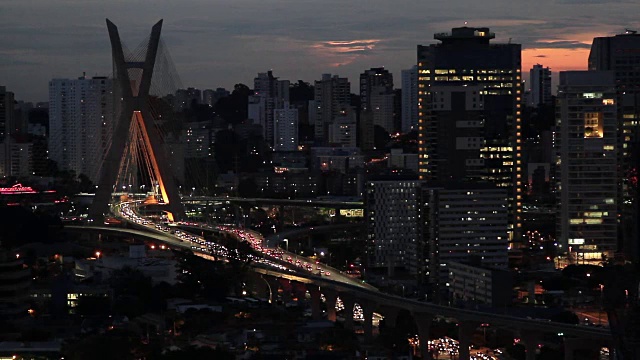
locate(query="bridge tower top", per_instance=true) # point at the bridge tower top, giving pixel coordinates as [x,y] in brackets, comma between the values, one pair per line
[135,135]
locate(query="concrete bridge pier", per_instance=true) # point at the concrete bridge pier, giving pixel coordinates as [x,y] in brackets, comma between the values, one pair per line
[423,323]
[367,311]
[258,285]
[465,332]
[348,303]
[390,315]
[316,312]
[530,340]
[331,297]
[285,284]
[245,215]
[299,291]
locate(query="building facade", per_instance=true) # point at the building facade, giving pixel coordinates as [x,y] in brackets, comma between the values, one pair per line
[80,123]
[285,129]
[272,93]
[469,113]
[478,285]
[461,222]
[620,54]
[410,99]
[586,162]
[331,94]
[343,130]
[394,237]
[540,85]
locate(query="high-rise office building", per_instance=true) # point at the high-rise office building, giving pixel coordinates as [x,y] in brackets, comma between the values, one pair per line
[285,128]
[619,54]
[410,99]
[469,112]
[331,94]
[379,79]
[80,123]
[376,95]
[7,115]
[381,105]
[7,112]
[394,237]
[539,85]
[198,140]
[342,132]
[461,221]
[586,145]
[274,93]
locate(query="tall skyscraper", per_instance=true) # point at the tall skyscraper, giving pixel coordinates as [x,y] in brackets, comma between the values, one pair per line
[469,115]
[379,79]
[540,85]
[376,95]
[410,99]
[381,106]
[7,113]
[274,93]
[332,93]
[285,128]
[586,143]
[394,237]
[619,54]
[80,123]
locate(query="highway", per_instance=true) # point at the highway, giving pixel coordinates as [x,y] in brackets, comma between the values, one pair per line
[341,284]
[271,257]
[275,239]
[285,202]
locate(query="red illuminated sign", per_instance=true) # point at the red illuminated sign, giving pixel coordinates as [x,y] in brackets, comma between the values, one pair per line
[17,189]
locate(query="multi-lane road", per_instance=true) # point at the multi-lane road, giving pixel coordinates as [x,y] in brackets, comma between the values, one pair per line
[270,256]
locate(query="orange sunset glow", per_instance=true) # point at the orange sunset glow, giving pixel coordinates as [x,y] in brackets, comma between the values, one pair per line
[557,59]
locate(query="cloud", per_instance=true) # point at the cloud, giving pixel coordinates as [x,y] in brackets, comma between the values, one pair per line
[540,56]
[216,43]
[563,44]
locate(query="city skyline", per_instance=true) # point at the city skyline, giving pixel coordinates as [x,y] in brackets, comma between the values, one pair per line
[219,44]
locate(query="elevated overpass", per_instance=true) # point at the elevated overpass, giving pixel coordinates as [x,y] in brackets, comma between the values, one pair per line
[388,305]
[338,204]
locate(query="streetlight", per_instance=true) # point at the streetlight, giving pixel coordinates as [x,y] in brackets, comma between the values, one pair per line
[286,241]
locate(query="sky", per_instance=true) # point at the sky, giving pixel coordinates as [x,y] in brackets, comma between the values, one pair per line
[218,43]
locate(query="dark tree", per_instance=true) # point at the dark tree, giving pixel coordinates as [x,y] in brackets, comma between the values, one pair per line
[248,188]
[233,108]
[132,291]
[227,149]
[115,344]
[202,277]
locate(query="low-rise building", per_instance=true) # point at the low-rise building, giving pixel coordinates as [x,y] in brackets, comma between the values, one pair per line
[480,285]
